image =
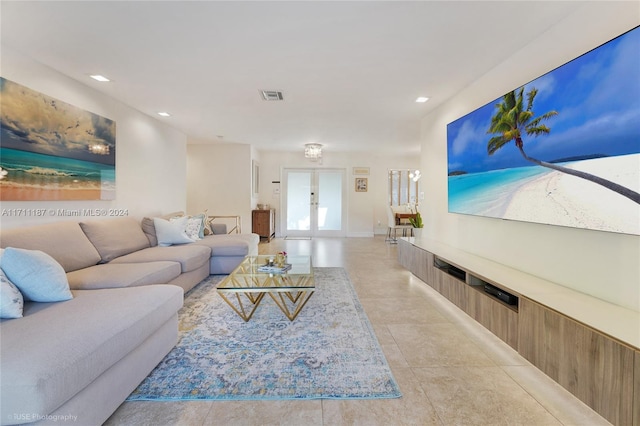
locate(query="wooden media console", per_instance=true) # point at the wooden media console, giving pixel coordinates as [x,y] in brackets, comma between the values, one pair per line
[589,346]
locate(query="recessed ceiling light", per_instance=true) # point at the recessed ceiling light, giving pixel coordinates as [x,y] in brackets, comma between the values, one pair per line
[164,114]
[99,77]
[422,99]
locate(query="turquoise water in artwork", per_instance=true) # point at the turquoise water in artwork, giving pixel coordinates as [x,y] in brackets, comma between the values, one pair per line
[488,193]
[48,171]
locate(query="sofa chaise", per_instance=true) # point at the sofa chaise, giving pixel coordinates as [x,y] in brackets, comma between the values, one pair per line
[77,360]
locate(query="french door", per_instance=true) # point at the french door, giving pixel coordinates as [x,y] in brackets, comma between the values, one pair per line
[313,203]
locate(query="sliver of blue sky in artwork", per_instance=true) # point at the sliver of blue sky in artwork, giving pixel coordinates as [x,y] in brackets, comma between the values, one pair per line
[597,97]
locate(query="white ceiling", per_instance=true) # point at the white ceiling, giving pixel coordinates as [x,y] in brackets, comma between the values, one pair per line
[350,71]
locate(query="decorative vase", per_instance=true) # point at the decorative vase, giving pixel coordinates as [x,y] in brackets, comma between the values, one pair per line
[417,232]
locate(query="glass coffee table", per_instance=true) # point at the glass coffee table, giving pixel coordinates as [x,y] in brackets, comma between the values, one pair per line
[245,287]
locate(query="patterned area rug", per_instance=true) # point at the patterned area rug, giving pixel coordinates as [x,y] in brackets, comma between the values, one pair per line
[329,351]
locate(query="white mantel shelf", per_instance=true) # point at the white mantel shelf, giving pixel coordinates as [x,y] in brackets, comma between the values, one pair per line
[620,323]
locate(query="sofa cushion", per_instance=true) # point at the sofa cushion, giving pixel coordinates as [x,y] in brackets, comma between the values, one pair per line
[42,367]
[229,244]
[36,274]
[64,241]
[115,237]
[149,228]
[112,275]
[190,256]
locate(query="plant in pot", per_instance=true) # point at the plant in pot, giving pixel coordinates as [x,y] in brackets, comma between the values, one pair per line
[417,224]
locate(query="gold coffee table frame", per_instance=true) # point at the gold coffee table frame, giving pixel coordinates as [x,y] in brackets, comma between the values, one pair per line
[245,287]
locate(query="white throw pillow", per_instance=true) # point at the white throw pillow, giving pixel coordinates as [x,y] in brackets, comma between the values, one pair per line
[36,274]
[195,227]
[11,301]
[171,232]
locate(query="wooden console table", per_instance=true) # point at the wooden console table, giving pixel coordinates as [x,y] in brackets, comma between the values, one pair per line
[404,217]
[263,223]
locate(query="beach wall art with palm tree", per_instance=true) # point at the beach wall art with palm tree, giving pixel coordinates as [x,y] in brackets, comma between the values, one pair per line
[563,149]
[51,150]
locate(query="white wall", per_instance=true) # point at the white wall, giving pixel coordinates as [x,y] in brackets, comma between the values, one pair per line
[219,180]
[364,209]
[605,265]
[150,155]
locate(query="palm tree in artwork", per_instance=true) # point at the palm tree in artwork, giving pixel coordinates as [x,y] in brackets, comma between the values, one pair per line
[512,120]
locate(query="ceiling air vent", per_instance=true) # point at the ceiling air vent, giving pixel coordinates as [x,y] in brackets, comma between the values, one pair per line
[271,95]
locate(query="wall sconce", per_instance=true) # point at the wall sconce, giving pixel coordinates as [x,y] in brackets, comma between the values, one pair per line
[313,151]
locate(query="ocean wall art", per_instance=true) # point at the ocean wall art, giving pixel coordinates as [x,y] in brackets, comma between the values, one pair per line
[51,150]
[563,149]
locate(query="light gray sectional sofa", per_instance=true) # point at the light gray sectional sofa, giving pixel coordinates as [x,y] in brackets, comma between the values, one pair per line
[118,253]
[83,357]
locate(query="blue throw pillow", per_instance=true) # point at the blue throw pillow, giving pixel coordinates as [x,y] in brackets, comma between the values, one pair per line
[36,274]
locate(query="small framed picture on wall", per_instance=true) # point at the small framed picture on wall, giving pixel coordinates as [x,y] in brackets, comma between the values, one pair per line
[361,184]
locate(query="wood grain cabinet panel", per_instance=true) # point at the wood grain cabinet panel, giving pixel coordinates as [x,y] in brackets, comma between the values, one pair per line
[438,280]
[595,368]
[456,291]
[426,267]
[431,270]
[504,323]
[405,251]
[416,260]
[538,338]
[494,316]
[263,223]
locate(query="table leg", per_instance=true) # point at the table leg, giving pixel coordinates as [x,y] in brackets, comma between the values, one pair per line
[291,310]
[239,307]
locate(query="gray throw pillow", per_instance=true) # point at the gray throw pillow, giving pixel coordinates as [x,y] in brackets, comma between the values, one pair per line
[115,237]
[149,228]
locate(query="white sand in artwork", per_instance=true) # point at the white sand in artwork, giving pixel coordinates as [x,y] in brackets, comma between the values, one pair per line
[561,199]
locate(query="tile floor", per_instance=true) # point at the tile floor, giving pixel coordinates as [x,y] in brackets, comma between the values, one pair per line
[450,370]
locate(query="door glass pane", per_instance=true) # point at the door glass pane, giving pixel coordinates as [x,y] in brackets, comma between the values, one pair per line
[330,201]
[298,203]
